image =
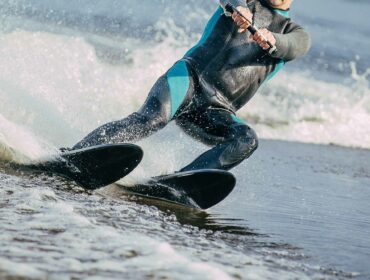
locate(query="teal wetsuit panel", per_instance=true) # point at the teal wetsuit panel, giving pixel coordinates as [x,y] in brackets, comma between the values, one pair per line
[178,75]
[178,82]
[208,30]
[237,120]
[282,12]
[278,67]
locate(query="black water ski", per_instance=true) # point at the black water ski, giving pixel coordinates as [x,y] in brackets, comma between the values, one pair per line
[200,189]
[92,167]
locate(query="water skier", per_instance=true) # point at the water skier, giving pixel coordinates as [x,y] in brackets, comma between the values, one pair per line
[203,91]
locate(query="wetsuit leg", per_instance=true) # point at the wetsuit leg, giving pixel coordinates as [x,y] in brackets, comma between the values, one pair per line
[233,140]
[168,94]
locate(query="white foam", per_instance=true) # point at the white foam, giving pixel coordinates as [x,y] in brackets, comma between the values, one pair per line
[11,269]
[19,144]
[297,107]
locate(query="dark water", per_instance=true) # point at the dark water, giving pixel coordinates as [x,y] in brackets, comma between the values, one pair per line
[298,212]
[315,197]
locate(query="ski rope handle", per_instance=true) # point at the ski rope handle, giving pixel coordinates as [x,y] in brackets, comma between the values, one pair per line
[252,29]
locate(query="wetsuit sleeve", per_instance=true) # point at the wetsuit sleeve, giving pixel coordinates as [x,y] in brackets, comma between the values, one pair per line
[294,43]
[235,3]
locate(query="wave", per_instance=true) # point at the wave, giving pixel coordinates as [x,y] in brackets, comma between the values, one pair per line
[302,108]
[57,85]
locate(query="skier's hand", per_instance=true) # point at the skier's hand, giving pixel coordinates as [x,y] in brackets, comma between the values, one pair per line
[240,21]
[260,37]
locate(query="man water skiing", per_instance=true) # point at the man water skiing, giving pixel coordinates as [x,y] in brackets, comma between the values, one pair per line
[203,90]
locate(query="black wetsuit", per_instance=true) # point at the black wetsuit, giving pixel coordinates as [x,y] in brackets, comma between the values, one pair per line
[214,79]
